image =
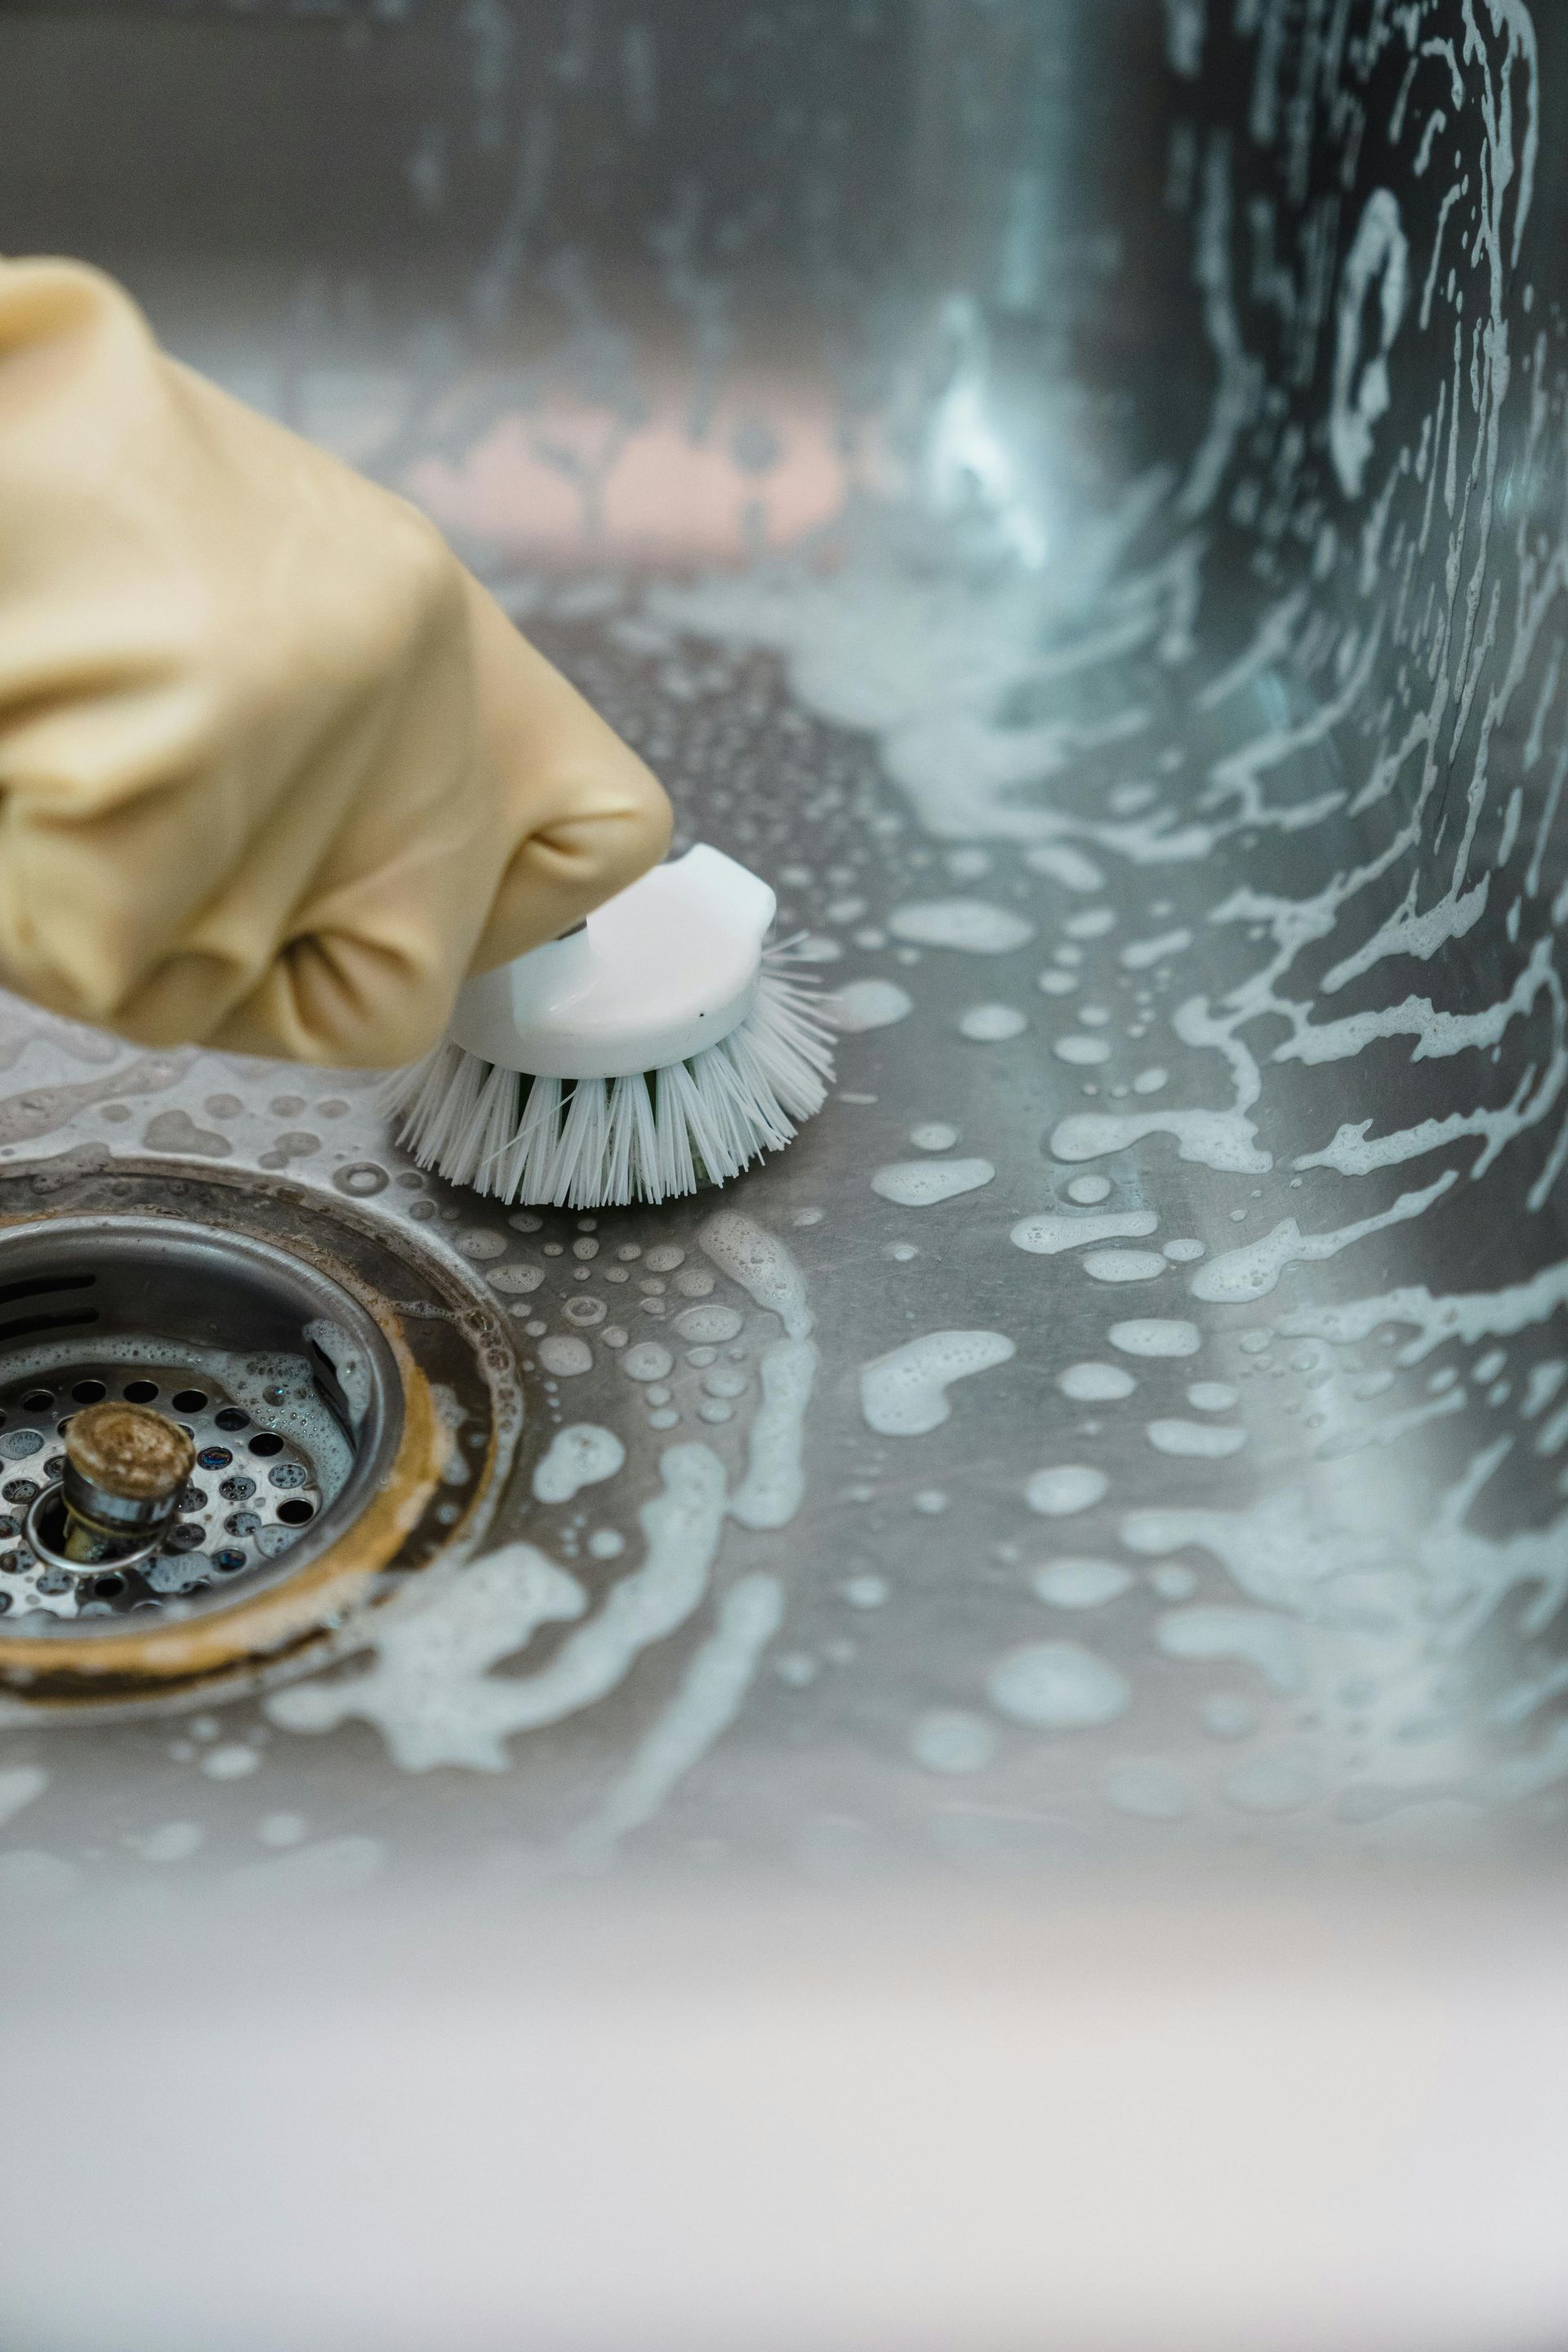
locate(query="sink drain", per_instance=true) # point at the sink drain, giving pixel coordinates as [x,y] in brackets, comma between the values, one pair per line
[350,1406]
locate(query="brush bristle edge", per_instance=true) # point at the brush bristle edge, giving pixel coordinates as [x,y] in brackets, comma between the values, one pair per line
[602,1142]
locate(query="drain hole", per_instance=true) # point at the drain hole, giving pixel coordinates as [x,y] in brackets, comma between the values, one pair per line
[88,1392]
[266,1442]
[32,1324]
[139,1392]
[188,1401]
[231,1417]
[38,1400]
[39,1286]
[215,1457]
[297,1512]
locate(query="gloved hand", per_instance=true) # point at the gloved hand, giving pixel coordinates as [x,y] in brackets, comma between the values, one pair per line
[276,774]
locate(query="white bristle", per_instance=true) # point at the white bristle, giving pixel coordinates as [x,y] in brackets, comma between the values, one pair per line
[602,1142]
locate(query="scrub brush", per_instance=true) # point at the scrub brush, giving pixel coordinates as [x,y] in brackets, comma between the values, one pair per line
[658,1047]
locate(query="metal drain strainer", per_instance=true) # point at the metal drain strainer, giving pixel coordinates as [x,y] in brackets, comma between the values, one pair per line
[264,1470]
[281,1379]
[347,1412]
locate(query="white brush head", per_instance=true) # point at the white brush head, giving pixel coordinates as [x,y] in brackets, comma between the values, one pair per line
[658,973]
[661,1047]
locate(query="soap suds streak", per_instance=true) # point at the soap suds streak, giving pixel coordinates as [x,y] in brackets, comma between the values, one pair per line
[922,1183]
[775,1482]
[774,1485]
[1253,1270]
[904,1393]
[760,1263]
[431,1690]
[1271,1644]
[1124,1266]
[712,1691]
[1048,1234]
[1155,1335]
[1204,1441]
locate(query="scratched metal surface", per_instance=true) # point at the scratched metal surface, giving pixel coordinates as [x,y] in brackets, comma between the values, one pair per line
[1075,496]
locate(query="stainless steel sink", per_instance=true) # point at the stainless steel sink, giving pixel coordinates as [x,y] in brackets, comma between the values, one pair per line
[1075,494]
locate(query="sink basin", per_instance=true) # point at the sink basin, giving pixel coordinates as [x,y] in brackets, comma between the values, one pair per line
[1075,498]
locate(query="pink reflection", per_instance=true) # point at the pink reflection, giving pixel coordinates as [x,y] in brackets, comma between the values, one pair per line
[561,481]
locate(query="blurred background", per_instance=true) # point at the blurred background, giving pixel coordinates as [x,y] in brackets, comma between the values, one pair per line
[1012,1789]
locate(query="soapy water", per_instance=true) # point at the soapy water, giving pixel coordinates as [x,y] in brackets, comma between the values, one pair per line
[431,1690]
[431,1686]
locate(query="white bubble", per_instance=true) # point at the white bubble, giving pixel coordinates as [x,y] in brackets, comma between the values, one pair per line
[972,926]
[1068,1487]
[991,1024]
[1084,1051]
[1081,1583]
[862,1005]
[1057,1687]
[1149,1336]
[949,1740]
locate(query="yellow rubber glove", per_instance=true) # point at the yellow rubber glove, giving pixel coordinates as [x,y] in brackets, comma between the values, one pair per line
[276,774]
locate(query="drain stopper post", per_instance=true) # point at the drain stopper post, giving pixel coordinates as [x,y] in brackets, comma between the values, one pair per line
[124,1468]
